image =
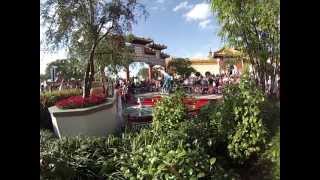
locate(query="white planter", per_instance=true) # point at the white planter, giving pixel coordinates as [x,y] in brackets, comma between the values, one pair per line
[97,120]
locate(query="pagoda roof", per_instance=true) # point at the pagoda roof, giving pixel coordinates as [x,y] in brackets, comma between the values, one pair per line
[227,52]
[148,50]
[157,46]
[141,40]
[164,55]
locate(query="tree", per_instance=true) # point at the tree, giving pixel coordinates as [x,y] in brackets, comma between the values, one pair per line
[69,68]
[43,77]
[114,53]
[254,28]
[144,73]
[87,22]
[181,66]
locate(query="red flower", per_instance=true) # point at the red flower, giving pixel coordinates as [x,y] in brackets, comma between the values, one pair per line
[79,102]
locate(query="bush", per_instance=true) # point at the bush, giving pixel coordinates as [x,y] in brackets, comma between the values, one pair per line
[169,111]
[271,158]
[166,156]
[78,157]
[173,148]
[239,120]
[271,116]
[50,98]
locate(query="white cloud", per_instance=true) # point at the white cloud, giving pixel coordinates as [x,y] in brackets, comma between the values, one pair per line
[160,1]
[199,12]
[182,5]
[205,24]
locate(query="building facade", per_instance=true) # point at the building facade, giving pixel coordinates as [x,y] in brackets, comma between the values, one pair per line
[147,51]
[218,62]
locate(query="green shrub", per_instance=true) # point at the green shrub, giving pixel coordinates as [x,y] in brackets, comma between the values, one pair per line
[270,159]
[271,116]
[78,157]
[173,148]
[166,156]
[169,111]
[238,120]
[50,98]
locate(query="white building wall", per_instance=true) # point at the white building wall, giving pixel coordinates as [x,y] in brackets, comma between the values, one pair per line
[203,68]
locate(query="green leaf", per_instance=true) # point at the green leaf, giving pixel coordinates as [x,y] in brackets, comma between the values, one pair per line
[200,175]
[190,171]
[212,160]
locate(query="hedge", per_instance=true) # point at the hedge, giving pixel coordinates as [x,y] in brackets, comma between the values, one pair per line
[50,98]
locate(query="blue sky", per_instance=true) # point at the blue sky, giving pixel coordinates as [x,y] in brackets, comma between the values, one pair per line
[187,27]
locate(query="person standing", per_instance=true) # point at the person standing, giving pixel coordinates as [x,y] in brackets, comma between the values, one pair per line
[42,88]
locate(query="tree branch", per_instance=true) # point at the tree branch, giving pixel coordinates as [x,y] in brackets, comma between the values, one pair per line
[107,33]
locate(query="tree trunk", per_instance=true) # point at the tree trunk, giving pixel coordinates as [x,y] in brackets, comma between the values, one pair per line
[103,79]
[273,77]
[89,74]
[262,81]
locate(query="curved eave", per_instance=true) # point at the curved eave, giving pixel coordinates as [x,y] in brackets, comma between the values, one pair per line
[157,46]
[165,56]
[143,41]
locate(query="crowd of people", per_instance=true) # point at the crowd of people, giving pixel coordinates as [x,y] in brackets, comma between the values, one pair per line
[46,86]
[193,84]
[209,84]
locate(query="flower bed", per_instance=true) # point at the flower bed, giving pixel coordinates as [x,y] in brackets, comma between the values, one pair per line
[80,102]
[49,99]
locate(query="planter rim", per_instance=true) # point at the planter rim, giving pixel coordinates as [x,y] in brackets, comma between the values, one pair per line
[81,111]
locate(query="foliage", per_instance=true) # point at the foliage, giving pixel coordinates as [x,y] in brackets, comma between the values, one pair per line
[181,66]
[169,111]
[270,111]
[166,156]
[78,157]
[44,77]
[69,68]
[172,149]
[144,73]
[50,98]
[254,28]
[239,121]
[270,159]
[80,102]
